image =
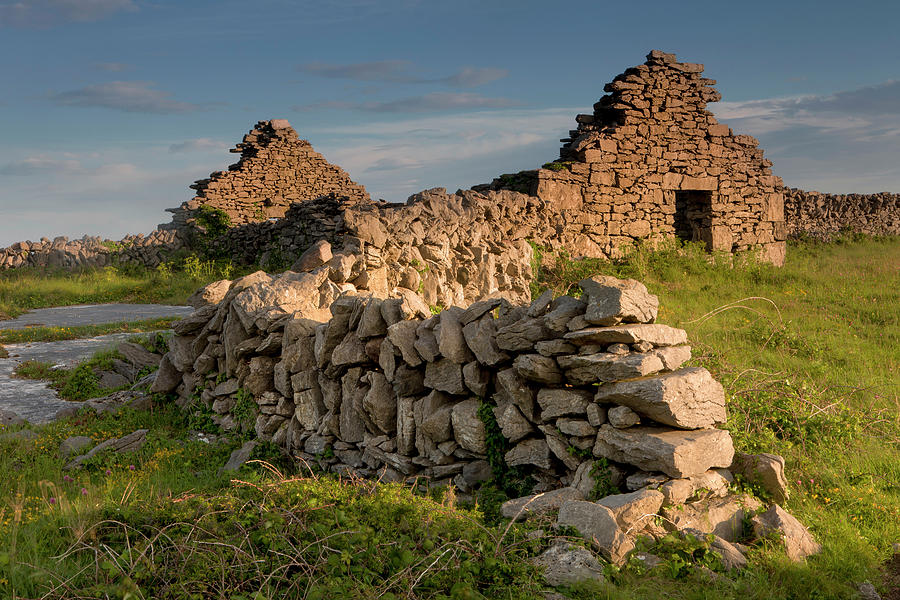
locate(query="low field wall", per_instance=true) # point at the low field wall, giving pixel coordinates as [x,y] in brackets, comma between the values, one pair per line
[821,215]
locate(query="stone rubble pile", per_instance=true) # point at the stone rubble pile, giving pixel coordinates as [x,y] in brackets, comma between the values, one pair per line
[823,215]
[92,251]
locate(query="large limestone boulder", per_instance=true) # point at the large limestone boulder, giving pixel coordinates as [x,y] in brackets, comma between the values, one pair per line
[654,333]
[586,369]
[721,516]
[688,398]
[566,564]
[611,301]
[675,453]
[766,470]
[539,504]
[633,510]
[210,294]
[597,525]
[798,542]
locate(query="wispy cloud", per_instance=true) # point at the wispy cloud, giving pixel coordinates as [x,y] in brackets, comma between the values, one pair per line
[114,67]
[197,145]
[840,142]
[128,96]
[45,13]
[41,163]
[433,102]
[401,71]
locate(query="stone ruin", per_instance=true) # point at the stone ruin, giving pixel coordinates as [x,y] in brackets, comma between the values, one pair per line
[651,161]
[383,388]
[276,169]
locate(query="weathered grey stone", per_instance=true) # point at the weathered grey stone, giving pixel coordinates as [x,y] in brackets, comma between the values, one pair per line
[403,336]
[586,369]
[445,375]
[468,428]
[313,257]
[766,470]
[611,300]
[530,452]
[449,333]
[512,388]
[634,509]
[262,375]
[110,380]
[287,293]
[643,479]
[380,403]
[210,294]
[622,417]
[426,342]
[539,306]
[559,447]
[619,349]
[538,504]
[562,311]
[721,516]
[688,398]
[522,334]
[565,565]
[731,557]
[576,427]
[673,357]
[387,359]
[597,525]
[406,425]
[561,402]
[675,453]
[350,352]
[656,334]
[239,457]
[476,379]
[555,347]
[138,356]
[127,443]
[226,388]
[798,542]
[411,305]
[352,426]
[535,367]
[480,336]
[71,445]
[167,377]
[596,414]
[371,323]
[478,309]
[513,424]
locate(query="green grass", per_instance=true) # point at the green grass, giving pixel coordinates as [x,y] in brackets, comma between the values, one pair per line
[808,355]
[54,334]
[22,290]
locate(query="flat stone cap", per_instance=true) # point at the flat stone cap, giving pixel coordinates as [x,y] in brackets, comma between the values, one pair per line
[661,56]
[280,124]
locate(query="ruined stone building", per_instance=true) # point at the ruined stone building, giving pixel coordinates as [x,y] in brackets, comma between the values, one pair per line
[652,161]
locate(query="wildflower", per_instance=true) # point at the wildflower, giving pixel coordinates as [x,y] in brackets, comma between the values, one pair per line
[52,500]
[66,478]
[131,467]
[108,472]
[84,491]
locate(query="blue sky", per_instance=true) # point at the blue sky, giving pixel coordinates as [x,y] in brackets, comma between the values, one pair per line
[111,108]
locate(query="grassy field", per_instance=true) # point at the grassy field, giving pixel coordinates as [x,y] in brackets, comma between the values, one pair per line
[808,355]
[172,283]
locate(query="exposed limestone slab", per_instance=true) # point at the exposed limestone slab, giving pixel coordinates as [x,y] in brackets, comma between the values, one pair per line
[688,398]
[560,402]
[530,452]
[566,564]
[766,470]
[468,428]
[535,367]
[675,453]
[634,508]
[612,300]
[655,333]
[602,367]
[722,516]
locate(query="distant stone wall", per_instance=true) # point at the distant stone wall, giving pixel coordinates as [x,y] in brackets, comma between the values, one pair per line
[452,249]
[821,215]
[651,161]
[276,169]
[381,387]
[92,252]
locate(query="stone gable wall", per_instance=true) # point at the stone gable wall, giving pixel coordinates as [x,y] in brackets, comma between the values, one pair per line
[623,167]
[276,169]
[821,215]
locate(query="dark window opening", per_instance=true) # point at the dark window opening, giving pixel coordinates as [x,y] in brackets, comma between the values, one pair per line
[693,215]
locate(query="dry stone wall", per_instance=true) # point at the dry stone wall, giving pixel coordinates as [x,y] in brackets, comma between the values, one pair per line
[383,387]
[92,252]
[822,215]
[276,169]
[652,161]
[452,249]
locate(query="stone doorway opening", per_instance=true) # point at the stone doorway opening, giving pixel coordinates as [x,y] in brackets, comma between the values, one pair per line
[693,215]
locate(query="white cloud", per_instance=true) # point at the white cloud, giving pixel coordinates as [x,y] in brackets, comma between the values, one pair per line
[197,145]
[41,164]
[44,13]
[128,96]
